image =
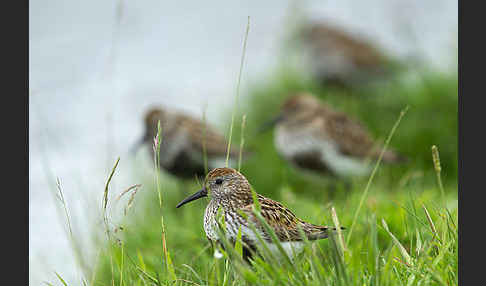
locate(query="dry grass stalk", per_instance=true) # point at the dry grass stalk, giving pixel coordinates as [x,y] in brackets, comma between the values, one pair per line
[105,194]
[338,228]
[437,167]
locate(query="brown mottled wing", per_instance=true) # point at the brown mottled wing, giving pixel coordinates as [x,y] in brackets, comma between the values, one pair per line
[283,221]
[215,143]
[362,53]
[278,217]
[351,137]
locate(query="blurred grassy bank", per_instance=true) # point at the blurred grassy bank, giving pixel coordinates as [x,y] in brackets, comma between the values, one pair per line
[405,196]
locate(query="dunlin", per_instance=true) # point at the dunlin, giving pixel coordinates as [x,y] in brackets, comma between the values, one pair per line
[229,190]
[315,137]
[184,141]
[341,59]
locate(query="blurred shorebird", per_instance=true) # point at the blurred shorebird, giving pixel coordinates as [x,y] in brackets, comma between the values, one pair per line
[314,137]
[184,141]
[230,190]
[341,59]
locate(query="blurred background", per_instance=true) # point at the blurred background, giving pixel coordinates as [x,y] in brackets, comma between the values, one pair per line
[95,67]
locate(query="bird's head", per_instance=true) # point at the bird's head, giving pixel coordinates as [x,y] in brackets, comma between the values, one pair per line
[151,118]
[150,121]
[221,183]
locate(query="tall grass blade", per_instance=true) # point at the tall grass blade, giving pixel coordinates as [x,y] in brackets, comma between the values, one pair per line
[122,264]
[156,148]
[338,229]
[229,248]
[375,250]
[237,91]
[242,143]
[365,193]
[60,279]
[273,236]
[141,269]
[63,202]
[238,243]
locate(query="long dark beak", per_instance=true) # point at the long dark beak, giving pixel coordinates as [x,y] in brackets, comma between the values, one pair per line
[138,144]
[269,124]
[200,194]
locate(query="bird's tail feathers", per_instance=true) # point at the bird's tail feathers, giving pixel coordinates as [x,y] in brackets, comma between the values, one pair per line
[322,232]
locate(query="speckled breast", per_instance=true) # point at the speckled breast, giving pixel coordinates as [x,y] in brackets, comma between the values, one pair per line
[210,221]
[233,221]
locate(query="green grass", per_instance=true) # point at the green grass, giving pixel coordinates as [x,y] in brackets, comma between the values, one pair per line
[372,256]
[403,234]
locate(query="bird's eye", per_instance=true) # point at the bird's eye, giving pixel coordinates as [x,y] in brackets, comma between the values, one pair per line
[219,181]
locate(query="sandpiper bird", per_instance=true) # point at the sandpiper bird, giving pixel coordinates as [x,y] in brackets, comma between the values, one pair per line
[341,59]
[313,136]
[184,141]
[229,190]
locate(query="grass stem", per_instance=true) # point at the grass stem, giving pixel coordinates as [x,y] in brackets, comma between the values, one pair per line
[237,91]
[437,167]
[242,142]
[365,193]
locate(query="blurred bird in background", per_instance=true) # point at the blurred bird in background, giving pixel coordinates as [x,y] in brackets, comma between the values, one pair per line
[312,136]
[185,143]
[340,59]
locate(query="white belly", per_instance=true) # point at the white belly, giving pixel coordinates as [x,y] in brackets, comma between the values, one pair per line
[301,141]
[291,248]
